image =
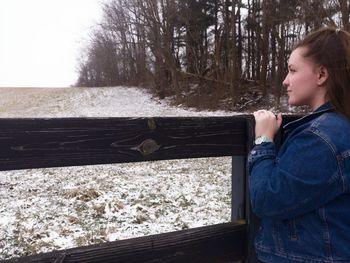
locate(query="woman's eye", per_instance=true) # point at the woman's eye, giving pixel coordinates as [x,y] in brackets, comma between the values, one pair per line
[291,70]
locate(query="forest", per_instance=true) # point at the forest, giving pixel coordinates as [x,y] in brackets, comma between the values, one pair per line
[227,54]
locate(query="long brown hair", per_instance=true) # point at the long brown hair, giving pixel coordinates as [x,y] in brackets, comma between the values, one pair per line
[330,48]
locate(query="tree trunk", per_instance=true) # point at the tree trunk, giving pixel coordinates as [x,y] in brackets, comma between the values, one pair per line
[345,13]
[233,54]
[280,66]
[264,47]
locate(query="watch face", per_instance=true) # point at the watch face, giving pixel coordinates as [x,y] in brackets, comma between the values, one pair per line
[258,140]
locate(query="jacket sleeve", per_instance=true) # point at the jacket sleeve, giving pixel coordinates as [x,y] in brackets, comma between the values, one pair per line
[303,178]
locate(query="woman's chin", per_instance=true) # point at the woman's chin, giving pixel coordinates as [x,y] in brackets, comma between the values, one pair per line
[295,103]
[291,102]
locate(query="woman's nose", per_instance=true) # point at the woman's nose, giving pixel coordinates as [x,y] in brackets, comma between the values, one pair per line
[285,82]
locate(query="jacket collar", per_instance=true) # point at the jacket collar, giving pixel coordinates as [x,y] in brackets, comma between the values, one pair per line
[327,106]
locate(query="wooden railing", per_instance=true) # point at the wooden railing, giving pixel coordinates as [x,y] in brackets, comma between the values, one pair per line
[41,143]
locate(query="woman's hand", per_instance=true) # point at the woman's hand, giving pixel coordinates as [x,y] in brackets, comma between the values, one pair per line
[266,123]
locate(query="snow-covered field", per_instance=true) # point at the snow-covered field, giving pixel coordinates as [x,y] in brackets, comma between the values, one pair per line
[88,102]
[46,209]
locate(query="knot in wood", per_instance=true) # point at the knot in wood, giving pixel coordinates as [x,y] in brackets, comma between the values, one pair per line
[147,147]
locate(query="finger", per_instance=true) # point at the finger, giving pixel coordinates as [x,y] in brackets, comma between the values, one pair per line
[271,114]
[257,112]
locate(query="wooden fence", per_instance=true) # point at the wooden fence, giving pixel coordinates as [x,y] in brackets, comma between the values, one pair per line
[41,143]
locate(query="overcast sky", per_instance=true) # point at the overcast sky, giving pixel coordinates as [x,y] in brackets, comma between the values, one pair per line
[40,40]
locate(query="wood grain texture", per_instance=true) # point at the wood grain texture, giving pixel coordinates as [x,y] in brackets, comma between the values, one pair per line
[216,243]
[39,143]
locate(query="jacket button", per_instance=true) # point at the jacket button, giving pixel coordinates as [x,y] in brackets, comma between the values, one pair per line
[253,152]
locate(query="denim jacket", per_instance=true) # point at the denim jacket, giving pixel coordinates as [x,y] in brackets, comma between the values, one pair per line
[302,193]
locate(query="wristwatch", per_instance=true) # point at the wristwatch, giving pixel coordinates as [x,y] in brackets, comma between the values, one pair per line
[261,139]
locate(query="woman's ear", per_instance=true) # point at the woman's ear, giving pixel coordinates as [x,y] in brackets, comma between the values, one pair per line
[322,76]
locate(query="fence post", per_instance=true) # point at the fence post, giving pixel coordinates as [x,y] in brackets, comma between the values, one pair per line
[238,188]
[253,221]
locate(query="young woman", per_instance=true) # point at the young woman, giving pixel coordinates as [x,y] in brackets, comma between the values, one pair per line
[302,191]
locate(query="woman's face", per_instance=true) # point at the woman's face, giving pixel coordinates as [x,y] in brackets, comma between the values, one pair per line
[302,81]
